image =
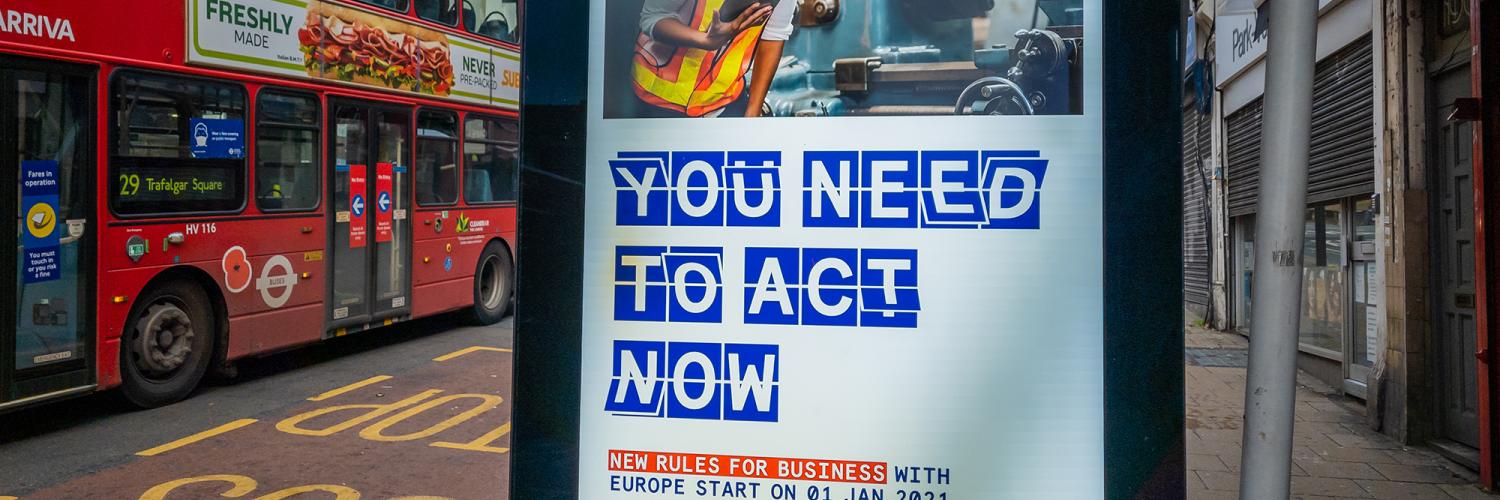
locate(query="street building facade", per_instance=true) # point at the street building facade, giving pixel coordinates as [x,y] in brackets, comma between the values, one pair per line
[1393,281]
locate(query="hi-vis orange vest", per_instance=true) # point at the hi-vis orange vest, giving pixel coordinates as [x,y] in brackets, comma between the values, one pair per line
[694,81]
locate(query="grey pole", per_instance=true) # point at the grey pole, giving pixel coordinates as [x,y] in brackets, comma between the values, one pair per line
[1271,384]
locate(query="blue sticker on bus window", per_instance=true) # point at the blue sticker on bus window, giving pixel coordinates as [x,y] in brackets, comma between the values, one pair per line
[39,199]
[217,137]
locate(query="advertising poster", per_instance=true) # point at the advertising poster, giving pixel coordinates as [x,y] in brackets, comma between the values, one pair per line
[327,41]
[383,202]
[840,253]
[357,226]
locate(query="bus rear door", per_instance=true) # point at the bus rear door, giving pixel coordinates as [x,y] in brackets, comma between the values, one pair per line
[369,151]
[47,130]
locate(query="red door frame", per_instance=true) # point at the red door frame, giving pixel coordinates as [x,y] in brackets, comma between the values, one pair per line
[1485,69]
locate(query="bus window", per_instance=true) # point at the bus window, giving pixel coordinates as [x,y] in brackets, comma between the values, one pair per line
[287,177]
[437,158]
[177,146]
[443,12]
[396,5]
[495,19]
[490,147]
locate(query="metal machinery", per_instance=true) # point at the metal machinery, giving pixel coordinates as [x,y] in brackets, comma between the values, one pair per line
[919,57]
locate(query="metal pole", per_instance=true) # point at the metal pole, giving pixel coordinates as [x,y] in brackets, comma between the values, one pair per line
[1271,384]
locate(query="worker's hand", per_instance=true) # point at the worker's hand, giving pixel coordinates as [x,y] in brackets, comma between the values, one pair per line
[721,32]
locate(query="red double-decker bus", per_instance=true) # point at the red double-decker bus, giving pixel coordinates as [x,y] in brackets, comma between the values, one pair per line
[204,180]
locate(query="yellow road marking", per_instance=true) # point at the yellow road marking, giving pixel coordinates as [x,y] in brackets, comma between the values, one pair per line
[468,350]
[372,380]
[196,437]
[481,444]
[10,498]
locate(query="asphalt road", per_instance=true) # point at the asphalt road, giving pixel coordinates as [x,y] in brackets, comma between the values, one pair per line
[419,410]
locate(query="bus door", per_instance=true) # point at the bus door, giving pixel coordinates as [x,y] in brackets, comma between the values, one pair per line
[369,153]
[47,126]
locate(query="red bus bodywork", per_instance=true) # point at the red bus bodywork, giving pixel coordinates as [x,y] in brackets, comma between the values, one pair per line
[150,35]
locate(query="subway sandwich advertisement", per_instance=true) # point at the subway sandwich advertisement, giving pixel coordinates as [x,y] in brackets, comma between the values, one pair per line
[340,43]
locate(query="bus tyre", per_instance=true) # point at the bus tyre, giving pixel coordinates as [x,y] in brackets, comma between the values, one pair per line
[167,345]
[493,280]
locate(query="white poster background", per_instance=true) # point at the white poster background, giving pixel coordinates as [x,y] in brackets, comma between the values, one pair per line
[1002,381]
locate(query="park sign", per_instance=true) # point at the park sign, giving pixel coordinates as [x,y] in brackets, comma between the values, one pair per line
[328,41]
[962,289]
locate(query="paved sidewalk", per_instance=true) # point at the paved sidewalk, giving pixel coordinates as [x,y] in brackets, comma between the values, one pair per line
[1335,455]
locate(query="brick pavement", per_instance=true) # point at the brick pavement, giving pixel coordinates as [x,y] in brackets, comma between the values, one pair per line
[1335,455]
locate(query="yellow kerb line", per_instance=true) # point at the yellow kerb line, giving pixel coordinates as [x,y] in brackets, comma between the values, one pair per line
[196,437]
[372,380]
[10,498]
[468,350]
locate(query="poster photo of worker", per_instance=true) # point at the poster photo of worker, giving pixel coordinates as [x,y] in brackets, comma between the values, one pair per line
[804,58]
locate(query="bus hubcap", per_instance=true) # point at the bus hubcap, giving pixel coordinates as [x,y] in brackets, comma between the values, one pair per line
[166,338]
[489,284]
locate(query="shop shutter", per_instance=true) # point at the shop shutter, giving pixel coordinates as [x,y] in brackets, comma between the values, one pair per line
[1196,149]
[1242,153]
[1342,160]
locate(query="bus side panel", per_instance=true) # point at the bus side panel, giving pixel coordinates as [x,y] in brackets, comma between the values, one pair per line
[274,331]
[269,268]
[444,285]
[437,298]
[122,29]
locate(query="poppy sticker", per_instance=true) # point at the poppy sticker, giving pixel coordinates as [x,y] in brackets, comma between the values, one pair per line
[237,272]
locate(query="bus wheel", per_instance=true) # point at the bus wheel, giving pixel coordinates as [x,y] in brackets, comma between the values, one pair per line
[167,349]
[492,285]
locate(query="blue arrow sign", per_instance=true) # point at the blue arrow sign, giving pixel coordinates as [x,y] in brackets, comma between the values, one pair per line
[383,202]
[358,205]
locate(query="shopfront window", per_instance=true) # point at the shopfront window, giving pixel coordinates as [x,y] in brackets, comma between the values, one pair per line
[1363,341]
[1323,285]
[1244,266]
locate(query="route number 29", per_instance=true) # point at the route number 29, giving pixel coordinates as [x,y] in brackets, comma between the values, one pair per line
[130,184]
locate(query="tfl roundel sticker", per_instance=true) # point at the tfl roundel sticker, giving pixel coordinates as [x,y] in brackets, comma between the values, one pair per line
[237,272]
[276,281]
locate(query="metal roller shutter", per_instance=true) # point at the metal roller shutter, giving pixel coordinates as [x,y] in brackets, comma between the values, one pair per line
[1195,251]
[1242,152]
[1342,157]
[1342,160]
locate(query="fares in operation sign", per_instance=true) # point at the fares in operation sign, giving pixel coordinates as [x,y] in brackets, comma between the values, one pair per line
[324,40]
[39,199]
[818,307]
